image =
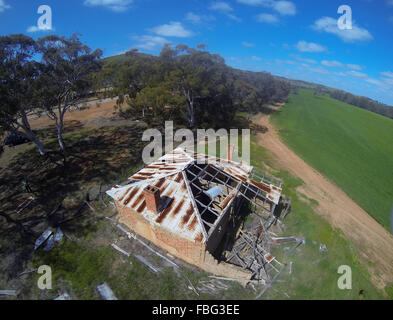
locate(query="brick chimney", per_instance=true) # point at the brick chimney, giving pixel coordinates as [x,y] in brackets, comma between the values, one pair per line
[231,148]
[152,198]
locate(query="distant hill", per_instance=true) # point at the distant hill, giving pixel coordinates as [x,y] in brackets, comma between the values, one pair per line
[343,96]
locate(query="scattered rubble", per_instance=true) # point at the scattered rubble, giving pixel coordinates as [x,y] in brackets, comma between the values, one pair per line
[8,293]
[105,292]
[64,296]
[42,238]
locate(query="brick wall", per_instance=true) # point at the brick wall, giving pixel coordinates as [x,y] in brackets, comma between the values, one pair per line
[194,253]
[189,251]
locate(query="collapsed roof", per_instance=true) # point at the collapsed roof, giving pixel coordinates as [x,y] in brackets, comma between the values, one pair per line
[196,191]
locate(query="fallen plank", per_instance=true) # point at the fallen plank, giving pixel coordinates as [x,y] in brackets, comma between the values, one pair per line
[131,236]
[24,205]
[147,264]
[64,296]
[27,272]
[120,250]
[270,283]
[237,279]
[8,293]
[319,260]
[284,239]
[105,292]
[54,210]
[301,241]
[91,206]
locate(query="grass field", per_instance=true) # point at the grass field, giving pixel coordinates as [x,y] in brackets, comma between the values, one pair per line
[351,146]
[314,274]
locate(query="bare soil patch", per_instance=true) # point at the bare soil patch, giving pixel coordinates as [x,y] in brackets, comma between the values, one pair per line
[94,110]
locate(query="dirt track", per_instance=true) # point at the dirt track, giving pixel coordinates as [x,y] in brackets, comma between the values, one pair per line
[374,243]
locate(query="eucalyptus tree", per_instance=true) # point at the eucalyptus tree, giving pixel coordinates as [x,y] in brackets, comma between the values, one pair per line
[68,67]
[19,74]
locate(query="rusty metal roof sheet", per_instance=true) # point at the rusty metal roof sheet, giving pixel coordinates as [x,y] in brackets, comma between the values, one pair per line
[178,217]
[181,215]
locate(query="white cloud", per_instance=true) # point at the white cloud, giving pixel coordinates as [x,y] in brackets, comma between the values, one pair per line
[173,29]
[33,29]
[248,44]
[254,58]
[226,9]
[284,8]
[150,42]
[267,18]
[313,69]
[385,84]
[388,74]
[354,67]
[337,64]
[389,2]
[254,2]
[303,59]
[194,18]
[357,74]
[333,64]
[388,81]
[114,5]
[374,81]
[222,7]
[4,6]
[234,18]
[198,19]
[329,25]
[304,46]
[341,74]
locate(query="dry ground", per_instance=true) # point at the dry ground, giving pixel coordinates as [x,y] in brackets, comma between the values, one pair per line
[96,110]
[374,243]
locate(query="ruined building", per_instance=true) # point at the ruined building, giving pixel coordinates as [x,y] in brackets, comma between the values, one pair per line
[189,204]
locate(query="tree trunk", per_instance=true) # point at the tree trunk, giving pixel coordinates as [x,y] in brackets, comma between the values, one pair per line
[60,140]
[59,126]
[31,135]
[191,114]
[38,143]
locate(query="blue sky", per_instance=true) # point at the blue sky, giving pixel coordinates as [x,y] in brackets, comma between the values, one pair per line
[296,39]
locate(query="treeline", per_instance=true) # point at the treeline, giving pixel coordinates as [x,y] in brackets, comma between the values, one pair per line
[363,102]
[343,96]
[192,87]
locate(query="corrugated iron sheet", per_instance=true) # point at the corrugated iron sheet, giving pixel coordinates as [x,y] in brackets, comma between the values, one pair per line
[180,216]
